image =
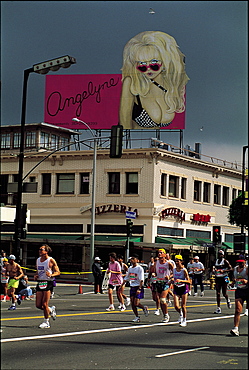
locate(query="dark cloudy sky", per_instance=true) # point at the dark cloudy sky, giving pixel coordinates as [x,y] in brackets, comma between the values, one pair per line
[212,35]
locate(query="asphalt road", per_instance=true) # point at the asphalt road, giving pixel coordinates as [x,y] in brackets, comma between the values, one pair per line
[86,336]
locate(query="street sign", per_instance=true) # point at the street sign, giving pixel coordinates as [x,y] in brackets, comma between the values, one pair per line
[129,214]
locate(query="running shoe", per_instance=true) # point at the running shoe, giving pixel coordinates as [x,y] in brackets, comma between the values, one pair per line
[166,318]
[53,313]
[120,306]
[246,312]
[44,325]
[202,294]
[110,308]
[128,301]
[235,332]
[183,322]
[123,308]
[189,293]
[157,313]
[169,303]
[137,319]
[146,312]
[229,304]
[195,294]
[180,317]
[11,308]
[218,310]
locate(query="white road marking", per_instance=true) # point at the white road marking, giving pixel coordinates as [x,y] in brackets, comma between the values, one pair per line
[179,352]
[108,330]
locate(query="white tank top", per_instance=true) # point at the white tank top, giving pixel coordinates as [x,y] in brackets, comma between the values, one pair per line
[42,267]
[162,269]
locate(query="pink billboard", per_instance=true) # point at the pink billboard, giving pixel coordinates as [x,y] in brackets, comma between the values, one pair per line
[94,99]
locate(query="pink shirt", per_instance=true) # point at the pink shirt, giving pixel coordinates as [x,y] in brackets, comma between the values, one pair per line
[115,279]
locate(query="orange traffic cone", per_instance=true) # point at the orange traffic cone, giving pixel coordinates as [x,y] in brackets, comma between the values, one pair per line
[80,289]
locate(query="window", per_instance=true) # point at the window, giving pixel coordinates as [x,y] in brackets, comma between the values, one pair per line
[55,141]
[65,183]
[32,179]
[163,184]
[173,186]
[65,141]
[225,196]
[46,183]
[44,143]
[197,191]
[16,139]
[84,183]
[183,187]
[234,194]
[131,183]
[170,231]
[30,139]
[5,141]
[114,183]
[217,191]
[206,192]
[198,234]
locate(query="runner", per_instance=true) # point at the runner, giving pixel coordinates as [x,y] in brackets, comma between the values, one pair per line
[47,269]
[221,269]
[171,286]
[190,268]
[116,280]
[152,286]
[164,273]
[198,276]
[4,279]
[181,289]
[124,269]
[241,293]
[135,275]
[14,271]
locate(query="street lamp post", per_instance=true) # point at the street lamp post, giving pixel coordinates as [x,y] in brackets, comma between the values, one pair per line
[93,190]
[41,68]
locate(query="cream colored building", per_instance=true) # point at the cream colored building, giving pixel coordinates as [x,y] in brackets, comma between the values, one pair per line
[177,200]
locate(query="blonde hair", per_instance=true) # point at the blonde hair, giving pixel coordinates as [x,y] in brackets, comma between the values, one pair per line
[164,47]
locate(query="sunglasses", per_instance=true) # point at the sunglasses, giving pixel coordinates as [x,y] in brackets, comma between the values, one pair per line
[154,65]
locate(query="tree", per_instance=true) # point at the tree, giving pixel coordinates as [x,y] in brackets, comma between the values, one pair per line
[236,214]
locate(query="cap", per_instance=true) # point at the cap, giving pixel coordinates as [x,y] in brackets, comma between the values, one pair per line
[12,257]
[5,259]
[97,259]
[221,252]
[162,250]
[196,258]
[178,257]
[241,258]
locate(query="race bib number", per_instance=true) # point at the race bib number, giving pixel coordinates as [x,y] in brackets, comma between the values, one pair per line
[42,284]
[132,276]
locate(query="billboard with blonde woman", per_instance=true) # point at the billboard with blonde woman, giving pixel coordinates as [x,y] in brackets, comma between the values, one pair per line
[150,93]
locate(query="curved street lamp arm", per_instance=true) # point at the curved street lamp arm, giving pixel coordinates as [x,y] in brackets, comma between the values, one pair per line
[58,149]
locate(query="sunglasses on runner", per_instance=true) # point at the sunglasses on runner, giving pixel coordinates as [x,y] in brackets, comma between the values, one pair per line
[154,65]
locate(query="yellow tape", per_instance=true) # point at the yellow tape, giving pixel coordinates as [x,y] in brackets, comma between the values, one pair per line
[65,273]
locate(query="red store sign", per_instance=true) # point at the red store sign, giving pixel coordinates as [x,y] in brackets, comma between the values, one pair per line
[201,218]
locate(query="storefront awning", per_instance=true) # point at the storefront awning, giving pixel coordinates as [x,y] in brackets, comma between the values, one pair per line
[184,241]
[113,238]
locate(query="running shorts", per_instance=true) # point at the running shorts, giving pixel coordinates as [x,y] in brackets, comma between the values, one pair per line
[13,283]
[241,294]
[133,292]
[44,286]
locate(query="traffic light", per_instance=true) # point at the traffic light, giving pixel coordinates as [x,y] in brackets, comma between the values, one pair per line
[129,225]
[216,234]
[239,241]
[23,221]
[116,141]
